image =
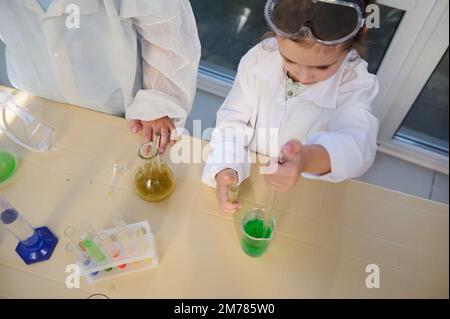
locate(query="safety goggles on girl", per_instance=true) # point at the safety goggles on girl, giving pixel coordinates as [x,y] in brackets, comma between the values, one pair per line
[328,22]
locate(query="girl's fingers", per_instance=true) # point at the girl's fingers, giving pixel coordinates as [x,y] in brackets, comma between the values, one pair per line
[135,126]
[292,149]
[155,131]
[171,126]
[173,135]
[229,179]
[226,207]
[164,140]
[146,137]
[229,210]
[224,201]
[223,194]
[147,133]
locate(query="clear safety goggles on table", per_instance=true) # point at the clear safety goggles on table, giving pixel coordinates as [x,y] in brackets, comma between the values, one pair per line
[25,129]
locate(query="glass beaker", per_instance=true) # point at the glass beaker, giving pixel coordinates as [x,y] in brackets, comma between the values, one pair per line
[8,165]
[154,180]
[255,238]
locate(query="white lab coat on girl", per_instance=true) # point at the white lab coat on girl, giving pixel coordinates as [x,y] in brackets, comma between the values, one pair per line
[132,57]
[335,113]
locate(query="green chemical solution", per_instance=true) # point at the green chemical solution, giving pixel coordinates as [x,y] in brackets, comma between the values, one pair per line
[93,250]
[254,230]
[7,166]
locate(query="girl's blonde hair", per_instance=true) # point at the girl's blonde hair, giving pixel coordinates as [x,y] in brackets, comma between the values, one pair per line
[357,43]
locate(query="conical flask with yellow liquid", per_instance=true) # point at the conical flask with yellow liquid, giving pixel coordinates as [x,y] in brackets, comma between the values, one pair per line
[154,181]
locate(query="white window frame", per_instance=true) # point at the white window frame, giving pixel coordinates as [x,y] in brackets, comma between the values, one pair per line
[408,65]
[418,45]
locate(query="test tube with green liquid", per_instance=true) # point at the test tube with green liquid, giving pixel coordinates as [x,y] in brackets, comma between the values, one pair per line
[88,241]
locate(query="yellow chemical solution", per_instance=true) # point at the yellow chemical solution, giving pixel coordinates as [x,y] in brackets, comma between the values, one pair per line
[154,180]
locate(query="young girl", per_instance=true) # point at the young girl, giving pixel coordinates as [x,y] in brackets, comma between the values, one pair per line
[306,89]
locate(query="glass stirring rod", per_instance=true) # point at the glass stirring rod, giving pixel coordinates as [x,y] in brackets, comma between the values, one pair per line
[113,181]
[268,209]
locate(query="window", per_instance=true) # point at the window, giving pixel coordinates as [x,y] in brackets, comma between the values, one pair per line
[228,29]
[378,40]
[413,101]
[426,124]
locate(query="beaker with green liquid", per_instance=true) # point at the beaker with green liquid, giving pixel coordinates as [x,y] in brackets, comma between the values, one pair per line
[8,165]
[255,238]
[154,180]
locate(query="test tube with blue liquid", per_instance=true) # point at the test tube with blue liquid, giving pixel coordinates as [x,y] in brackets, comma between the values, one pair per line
[80,256]
[35,244]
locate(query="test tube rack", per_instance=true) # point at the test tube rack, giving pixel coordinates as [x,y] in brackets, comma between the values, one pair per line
[138,261]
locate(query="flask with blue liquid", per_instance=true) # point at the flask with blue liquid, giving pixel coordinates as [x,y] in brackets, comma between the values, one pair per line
[35,244]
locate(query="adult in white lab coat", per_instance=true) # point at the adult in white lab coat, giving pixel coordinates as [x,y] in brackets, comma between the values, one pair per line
[137,58]
[331,120]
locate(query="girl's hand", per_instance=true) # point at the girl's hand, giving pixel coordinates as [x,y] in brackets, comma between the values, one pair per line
[224,179]
[149,129]
[288,173]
